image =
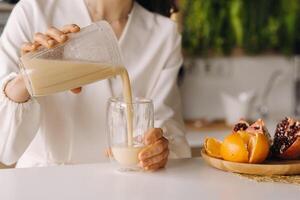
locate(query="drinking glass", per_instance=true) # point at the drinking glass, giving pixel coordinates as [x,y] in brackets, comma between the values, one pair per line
[122,152]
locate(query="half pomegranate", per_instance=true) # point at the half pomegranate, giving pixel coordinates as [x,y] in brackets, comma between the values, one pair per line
[286,143]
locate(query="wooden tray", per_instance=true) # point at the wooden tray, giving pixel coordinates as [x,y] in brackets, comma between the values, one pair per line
[267,168]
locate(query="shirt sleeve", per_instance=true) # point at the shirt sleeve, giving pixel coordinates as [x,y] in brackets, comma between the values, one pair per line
[19,122]
[167,103]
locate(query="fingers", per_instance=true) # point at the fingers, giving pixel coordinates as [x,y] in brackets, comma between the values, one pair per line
[44,40]
[154,156]
[152,135]
[77,90]
[155,160]
[108,152]
[56,34]
[48,40]
[28,47]
[154,149]
[70,28]
[157,166]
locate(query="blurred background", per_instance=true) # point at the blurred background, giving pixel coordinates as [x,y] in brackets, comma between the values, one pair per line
[241,60]
[229,27]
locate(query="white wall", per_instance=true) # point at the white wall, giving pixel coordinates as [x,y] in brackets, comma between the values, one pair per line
[201,89]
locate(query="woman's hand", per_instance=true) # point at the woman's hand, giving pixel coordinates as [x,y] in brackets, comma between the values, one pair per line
[15,89]
[52,37]
[155,155]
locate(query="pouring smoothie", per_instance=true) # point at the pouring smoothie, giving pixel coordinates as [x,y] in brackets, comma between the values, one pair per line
[60,69]
[45,77]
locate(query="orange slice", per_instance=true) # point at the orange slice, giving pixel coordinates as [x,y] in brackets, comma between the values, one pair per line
[258,148]
[234,149]
[212,147]
[245,136]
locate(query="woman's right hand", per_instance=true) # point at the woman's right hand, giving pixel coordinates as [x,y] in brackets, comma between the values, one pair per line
[15,89]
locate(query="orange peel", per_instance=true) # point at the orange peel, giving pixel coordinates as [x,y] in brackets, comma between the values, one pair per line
[213,147]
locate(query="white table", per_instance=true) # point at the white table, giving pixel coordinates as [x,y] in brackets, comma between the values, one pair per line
[183,180]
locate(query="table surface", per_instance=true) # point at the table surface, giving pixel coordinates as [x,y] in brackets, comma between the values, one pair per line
[182,179]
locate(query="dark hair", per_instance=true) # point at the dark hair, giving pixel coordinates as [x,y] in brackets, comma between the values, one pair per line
[163,7]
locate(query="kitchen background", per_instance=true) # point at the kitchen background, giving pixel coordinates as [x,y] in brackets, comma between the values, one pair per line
[234,47]
[238,45]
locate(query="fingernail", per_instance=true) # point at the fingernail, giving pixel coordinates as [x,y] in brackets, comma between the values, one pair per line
[50,42]
[33,47]
[75,29]
[145,155]
[141,164]
[145,164]
[64,37]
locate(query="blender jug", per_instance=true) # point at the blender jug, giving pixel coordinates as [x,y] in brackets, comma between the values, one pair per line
[90,55]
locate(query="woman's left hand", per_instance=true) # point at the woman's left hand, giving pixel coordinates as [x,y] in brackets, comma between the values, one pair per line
[49,39]
[155,155]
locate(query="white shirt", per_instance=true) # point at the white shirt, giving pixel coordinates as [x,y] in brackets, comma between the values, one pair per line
[70,128]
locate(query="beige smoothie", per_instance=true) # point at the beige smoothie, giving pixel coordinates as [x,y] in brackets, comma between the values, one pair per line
[127,155]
